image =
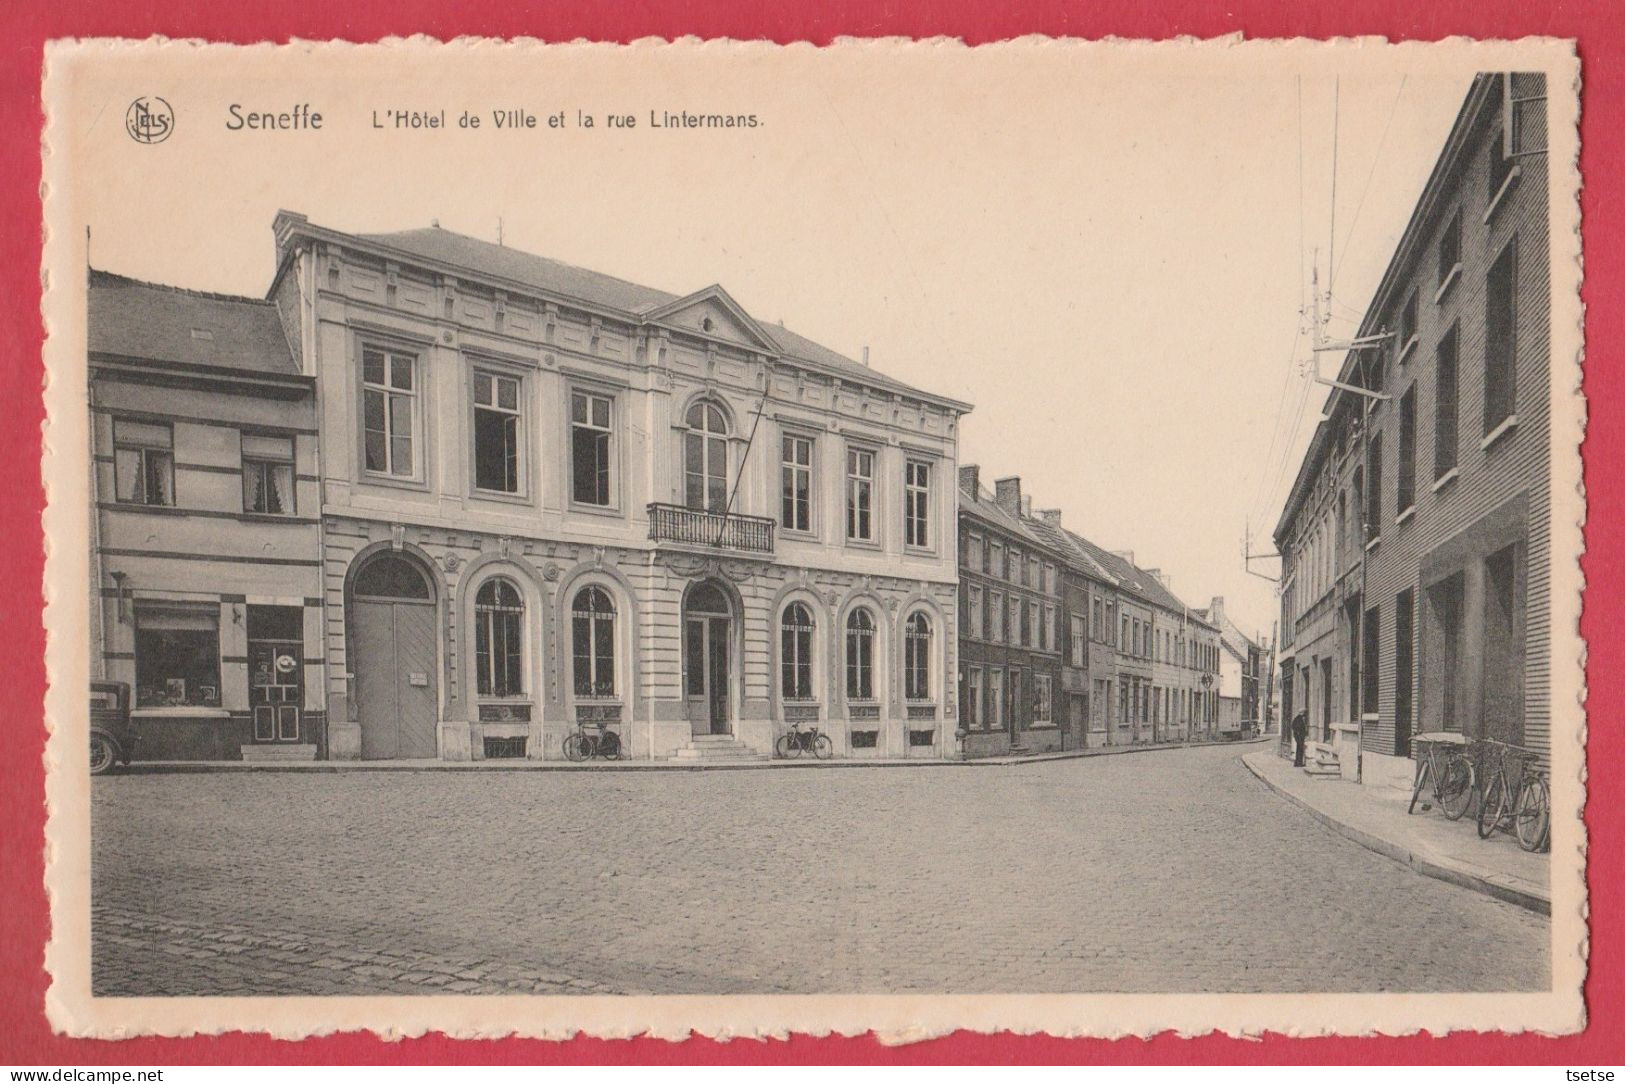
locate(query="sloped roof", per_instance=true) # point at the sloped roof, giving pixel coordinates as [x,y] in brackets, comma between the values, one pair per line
[602,291]
[1134,578]
[982,505]
[147,322]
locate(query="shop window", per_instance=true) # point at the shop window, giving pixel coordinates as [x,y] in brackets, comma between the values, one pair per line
[177,657]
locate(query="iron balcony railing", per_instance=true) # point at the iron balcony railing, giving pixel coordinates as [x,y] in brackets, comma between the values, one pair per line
[697,527]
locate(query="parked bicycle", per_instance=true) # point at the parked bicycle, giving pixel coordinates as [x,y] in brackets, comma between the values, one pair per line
[593,740]
[798,741]
[1516,798]
[1448,768]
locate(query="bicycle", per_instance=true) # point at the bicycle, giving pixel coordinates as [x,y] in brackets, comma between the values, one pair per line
[583,745]
[1523,807]
[1450,770]
[798,741]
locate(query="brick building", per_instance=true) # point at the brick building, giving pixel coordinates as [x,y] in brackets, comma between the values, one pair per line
[1415,539]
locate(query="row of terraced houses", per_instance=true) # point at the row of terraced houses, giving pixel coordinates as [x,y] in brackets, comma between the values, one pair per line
[1416,537]
[433,497]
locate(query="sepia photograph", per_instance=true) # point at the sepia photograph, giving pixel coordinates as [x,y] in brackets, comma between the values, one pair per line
[1068,536]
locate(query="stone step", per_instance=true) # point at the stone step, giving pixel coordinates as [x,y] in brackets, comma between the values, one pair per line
[262,754]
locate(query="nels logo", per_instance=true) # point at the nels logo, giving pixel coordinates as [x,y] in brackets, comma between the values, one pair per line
[149,120]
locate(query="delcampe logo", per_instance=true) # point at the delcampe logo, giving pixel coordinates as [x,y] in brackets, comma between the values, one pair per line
[149,120]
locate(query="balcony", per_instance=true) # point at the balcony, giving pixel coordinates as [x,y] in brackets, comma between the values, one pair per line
[712,530]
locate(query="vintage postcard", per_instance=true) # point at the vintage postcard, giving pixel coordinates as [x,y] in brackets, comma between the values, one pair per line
[726,538]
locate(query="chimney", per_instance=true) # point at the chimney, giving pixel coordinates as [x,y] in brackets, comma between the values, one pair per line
[1051,516]
[1215,612]
[1007,495]
[1166,581]
[865,357]
[1026,507]
[970,480]
[1124,555]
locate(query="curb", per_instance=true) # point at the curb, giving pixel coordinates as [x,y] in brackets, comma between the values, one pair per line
[337,767]
[1488,884]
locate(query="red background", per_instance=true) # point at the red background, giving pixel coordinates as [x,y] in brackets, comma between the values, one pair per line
[26,1038]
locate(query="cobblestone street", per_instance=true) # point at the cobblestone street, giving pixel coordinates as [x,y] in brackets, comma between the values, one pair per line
[1164,871]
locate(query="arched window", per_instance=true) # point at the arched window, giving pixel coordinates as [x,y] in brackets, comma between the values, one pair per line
[705,458]
[860,656]
[795,652]
[917,657]
[593,636]
[389,575]
[499,622]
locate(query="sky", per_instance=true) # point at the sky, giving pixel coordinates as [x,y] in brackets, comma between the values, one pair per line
[1105,250]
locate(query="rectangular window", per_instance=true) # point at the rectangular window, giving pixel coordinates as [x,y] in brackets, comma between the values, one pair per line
[1043,698]
[1370,644]
[860,495]
[1046,631]
[496,432]
[1407,322]
[917,503]
[1500,162]
[1450,246]
[996,629]
[1079,635]
[975,608]
[1018,621]
[1373,489]
[1501,338]
[1444,407]
[1405,488]
[590,448]
[177,657]
[267,474]
[995,566]
[143,462]
[795,470]
[972,708]
[978,554]
[389,411]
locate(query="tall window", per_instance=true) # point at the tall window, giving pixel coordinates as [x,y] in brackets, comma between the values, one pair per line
[1078,636]
[996,628]
[267,474]
[1404,675]
[1450,246]
[795,510]
[592,621]
[1373,489]
[1370,640]
[860,494]
[995,698]
[143,462]
[1026,624]
[974,610]
[389,410]
[496,432]
[972,707]
[1501,338]
[1444,407]
[705,458]
[860,656]
[1018,621]
[917,503]
[1405,488]
[1407,325]
[590,451]
[177,657]
[795,653]
[1500,162]
[499,621]
[917,657]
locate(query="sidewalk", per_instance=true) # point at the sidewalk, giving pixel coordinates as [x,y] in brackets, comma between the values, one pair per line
[1375,817]
[160,767]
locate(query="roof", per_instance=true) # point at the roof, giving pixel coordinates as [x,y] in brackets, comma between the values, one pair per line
[144,321]
[1238,642]
[602,291]
[1095,560]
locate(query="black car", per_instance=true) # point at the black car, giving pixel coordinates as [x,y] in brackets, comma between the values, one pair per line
[110,737]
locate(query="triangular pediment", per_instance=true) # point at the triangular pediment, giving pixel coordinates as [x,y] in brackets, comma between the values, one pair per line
[713,314]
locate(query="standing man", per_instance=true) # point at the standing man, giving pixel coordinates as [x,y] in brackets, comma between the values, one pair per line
[1300,734]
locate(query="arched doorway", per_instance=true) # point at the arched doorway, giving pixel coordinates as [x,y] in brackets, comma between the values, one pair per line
[392,653]
[708,659]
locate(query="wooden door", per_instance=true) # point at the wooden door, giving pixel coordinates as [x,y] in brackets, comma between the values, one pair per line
[394,668]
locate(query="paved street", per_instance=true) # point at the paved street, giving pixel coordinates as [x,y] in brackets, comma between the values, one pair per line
[1163,871]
